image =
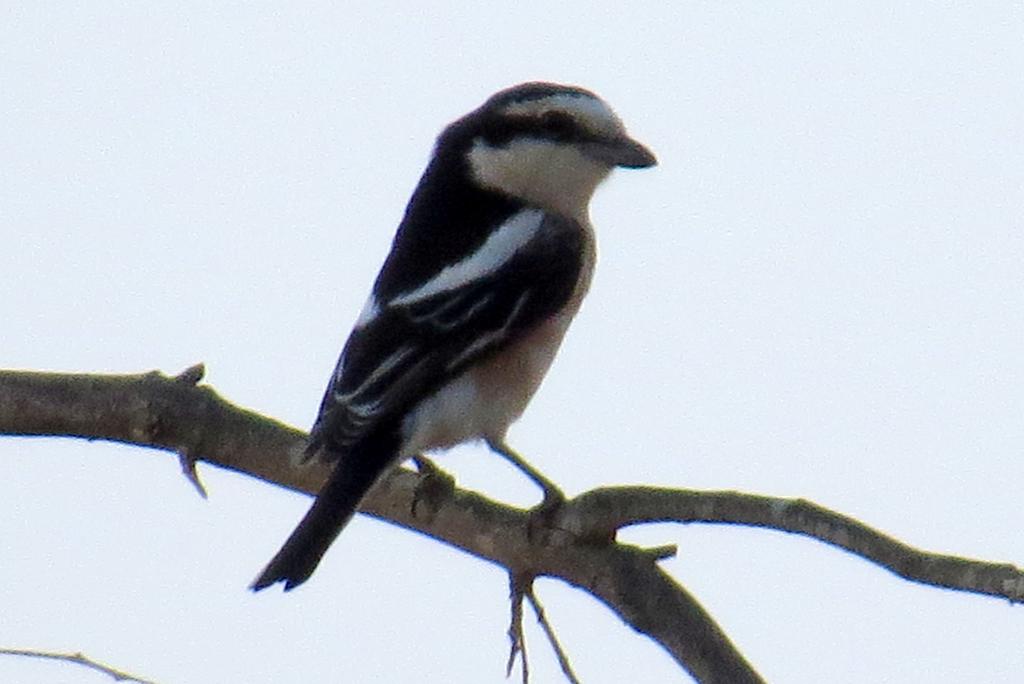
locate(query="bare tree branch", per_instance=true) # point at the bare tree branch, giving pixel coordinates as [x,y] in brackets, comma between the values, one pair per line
[611,508]
[549,631]
[175,415]
[179,416]
[77,659]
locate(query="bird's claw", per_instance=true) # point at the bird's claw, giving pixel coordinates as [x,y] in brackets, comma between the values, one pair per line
[543,515]
[434,487]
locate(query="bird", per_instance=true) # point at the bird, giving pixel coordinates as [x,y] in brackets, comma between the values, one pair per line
[488,267]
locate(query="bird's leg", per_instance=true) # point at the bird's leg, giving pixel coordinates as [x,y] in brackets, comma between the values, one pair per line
[553,496]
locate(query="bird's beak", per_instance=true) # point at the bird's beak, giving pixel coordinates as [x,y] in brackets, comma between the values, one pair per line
[624,152]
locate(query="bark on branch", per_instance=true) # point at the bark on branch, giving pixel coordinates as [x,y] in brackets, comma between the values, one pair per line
[178,415]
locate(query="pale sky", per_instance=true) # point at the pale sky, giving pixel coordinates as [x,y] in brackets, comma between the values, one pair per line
[818,293]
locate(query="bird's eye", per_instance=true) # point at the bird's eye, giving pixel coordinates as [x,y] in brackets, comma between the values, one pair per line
[557,124]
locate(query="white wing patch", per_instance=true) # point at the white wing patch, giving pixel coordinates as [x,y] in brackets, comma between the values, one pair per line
[382,369]
[491,337]
[497,250]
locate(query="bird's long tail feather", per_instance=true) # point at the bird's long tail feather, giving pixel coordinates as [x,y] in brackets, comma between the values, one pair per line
[334,507]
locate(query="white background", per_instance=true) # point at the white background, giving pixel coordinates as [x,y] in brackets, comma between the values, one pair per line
[819,293]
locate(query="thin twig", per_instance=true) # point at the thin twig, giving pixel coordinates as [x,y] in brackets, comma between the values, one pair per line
[518,586]
[192,375]
[542,618]
[77,659]
[187,460]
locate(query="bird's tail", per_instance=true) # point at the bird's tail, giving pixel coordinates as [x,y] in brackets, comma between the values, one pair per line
[334,507]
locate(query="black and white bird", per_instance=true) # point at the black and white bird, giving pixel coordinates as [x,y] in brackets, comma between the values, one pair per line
[488,267]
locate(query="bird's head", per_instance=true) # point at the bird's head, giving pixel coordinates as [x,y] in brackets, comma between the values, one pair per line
[548,145]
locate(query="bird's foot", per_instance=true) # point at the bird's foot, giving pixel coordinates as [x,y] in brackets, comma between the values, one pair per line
[544,515]
[434,487]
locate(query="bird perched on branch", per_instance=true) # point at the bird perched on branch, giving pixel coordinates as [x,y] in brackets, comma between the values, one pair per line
[488,267]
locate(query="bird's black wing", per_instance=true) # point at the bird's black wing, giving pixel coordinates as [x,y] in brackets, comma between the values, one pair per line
[406,346]
[411,343]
